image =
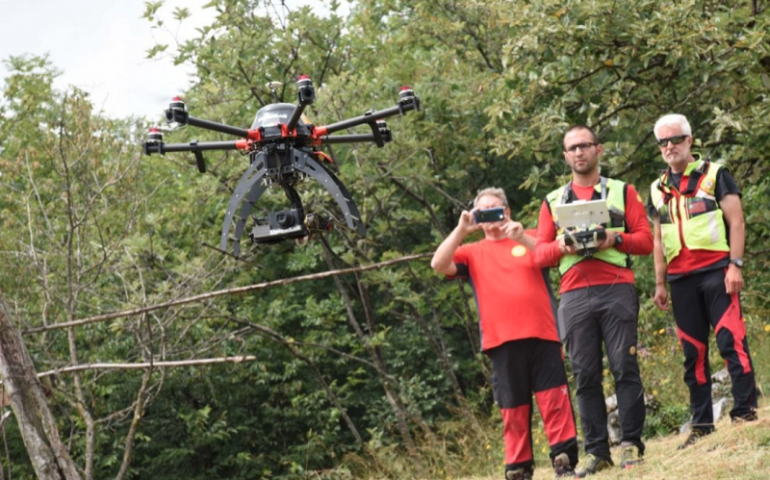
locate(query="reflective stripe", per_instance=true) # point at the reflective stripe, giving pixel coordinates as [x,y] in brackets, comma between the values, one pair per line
[713,226]
[701,230]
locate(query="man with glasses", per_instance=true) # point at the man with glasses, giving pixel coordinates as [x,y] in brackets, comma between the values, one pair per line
[518,331]
[598,299]
[699,237]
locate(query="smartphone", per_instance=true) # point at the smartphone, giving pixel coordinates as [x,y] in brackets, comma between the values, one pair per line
[489,215]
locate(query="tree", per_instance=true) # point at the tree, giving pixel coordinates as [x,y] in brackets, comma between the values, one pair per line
[366,364]
[49,456]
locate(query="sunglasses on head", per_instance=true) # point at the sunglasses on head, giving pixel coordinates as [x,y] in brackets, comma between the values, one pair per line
[676,140]
[581,146]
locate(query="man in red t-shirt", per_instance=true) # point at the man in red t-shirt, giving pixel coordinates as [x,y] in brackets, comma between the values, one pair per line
[598,301]
[518,332]
[699,239]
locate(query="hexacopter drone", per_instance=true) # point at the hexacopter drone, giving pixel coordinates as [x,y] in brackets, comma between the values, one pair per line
[283,149]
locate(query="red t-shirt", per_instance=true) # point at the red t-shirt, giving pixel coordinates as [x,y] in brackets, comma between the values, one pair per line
[592,272]
[512,296]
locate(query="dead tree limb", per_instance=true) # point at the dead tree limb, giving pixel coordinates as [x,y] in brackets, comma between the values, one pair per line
[37,425]
[229,291]
[143,365]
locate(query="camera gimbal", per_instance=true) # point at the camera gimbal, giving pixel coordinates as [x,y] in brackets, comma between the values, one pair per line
[283,149]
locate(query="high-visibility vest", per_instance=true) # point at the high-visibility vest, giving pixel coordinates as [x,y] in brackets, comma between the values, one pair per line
[613,191]
[691,218]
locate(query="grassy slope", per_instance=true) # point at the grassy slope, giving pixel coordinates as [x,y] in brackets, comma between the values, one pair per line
[735,452]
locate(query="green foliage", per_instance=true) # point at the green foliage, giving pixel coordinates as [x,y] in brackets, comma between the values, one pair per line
[389,355]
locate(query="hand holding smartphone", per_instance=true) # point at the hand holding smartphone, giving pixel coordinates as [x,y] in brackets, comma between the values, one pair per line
[489,215]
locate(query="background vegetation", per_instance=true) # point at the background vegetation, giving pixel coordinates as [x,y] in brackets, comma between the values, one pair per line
[375,374]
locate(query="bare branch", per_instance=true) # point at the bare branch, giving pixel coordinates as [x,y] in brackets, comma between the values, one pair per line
[228,291]
[143,365]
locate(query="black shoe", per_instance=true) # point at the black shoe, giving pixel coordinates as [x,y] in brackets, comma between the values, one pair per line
[519,474]
[746,417]
[694,436]
[593,464]
[562,467]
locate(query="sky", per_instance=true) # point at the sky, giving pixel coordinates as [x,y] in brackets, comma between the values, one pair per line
[101,47]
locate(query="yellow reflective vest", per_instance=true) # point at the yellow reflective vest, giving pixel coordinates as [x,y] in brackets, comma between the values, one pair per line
[613,191]
[691,218]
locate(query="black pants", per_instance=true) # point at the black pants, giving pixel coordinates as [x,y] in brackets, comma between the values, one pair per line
[589,317]
[519,368]
[700,303]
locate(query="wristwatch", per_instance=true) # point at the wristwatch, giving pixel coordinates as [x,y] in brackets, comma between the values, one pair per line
[618,240]
[738,262]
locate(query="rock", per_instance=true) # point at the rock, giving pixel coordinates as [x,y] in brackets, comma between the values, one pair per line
[721,397]
[613,416]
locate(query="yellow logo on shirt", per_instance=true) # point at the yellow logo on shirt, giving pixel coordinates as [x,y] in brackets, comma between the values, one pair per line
[519,250]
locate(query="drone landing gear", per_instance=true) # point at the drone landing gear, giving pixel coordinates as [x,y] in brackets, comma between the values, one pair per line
[285,169]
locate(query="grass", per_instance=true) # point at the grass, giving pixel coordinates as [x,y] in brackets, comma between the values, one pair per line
[740,451]
[733,452]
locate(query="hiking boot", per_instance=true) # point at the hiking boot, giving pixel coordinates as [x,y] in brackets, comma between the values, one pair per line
[562,467]
[629,456]
[694,436]
[593,464]
[519,474]
[747,417]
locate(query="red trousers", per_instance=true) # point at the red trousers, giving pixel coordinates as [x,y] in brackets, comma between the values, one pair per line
[521,368]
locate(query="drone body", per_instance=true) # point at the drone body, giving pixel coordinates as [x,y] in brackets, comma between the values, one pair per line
[283,150]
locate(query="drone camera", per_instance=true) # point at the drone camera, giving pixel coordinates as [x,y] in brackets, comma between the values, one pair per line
[281,225]
[284,219]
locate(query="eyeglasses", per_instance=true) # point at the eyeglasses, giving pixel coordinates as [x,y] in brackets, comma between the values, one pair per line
[582,146]
[676,140]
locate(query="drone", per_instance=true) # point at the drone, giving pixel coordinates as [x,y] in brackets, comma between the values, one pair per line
[284,149]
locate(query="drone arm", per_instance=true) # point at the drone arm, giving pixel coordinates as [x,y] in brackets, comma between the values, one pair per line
[161,148]
[354,122]
[367,137]
[407,101]
[155,145]
[294,120]
[196,146]
[209,125]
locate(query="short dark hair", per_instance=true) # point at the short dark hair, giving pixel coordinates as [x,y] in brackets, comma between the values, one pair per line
[594,137]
